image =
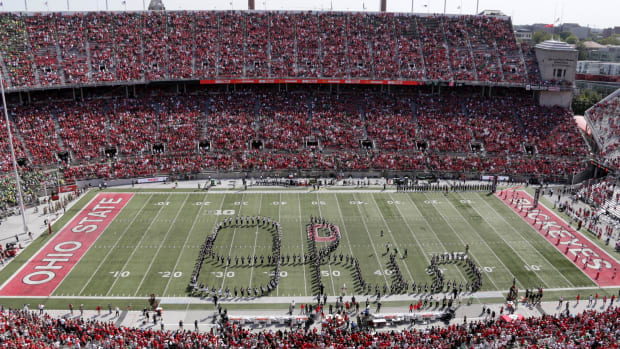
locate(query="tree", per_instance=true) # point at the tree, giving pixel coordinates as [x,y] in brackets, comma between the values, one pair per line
[585,100]
[583,53]
[540,36]
[572,39]
[564,35]
[610,40]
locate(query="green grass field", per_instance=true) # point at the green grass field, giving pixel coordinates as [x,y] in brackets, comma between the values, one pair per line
[152,245]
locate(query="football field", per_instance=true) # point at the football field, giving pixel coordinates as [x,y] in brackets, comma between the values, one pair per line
[152,244]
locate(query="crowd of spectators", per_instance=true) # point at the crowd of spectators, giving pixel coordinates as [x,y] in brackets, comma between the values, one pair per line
[42,35]
[32,181]
[100,36]
[254,128]
[129,46]
[606,125]
[589,329]
[596,193]
[17,55]
[71,33]
[6,163]
[36,127]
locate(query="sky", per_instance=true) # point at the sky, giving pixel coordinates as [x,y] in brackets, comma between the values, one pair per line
[593,13]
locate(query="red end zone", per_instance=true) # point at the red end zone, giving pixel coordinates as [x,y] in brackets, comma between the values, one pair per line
[46,270]
[595,262]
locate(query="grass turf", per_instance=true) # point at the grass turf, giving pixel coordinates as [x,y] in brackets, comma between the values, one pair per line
[152,245]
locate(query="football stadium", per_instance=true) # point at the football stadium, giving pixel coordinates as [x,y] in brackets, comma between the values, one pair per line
[288,178]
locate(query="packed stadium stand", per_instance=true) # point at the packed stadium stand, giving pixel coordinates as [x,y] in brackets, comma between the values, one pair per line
[603,119]
[269,130]
[152,46]
[109,95]
[450,122]
[589,329]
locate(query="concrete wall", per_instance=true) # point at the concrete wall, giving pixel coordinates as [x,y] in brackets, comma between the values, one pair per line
[550,61]
[550,98]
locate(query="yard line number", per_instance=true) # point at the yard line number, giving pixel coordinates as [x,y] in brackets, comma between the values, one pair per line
[122,274]
[167,274]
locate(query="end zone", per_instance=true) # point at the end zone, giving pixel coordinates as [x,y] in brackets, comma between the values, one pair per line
[592,260]
[45,271]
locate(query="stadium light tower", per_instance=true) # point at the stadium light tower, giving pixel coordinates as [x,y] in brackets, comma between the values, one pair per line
[19,187]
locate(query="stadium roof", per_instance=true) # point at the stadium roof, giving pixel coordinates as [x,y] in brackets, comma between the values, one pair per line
[555,45]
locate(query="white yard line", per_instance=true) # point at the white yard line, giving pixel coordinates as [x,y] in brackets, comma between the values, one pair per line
[303,252]
[371,242]
[329,260]
[105,258]
[348,240]
[499,235]
[483,240]
[279,208]
[269,191]
[160,245]
[400,252]
[287,300]
[232,240]
[189,233]
[524,239]
[412,233]
[428,224]
[260,204]
[139,242]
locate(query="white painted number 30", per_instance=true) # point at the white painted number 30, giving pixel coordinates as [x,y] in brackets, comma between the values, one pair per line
[220,274]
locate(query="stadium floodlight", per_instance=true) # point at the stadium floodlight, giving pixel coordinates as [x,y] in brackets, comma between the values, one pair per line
[19,187]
